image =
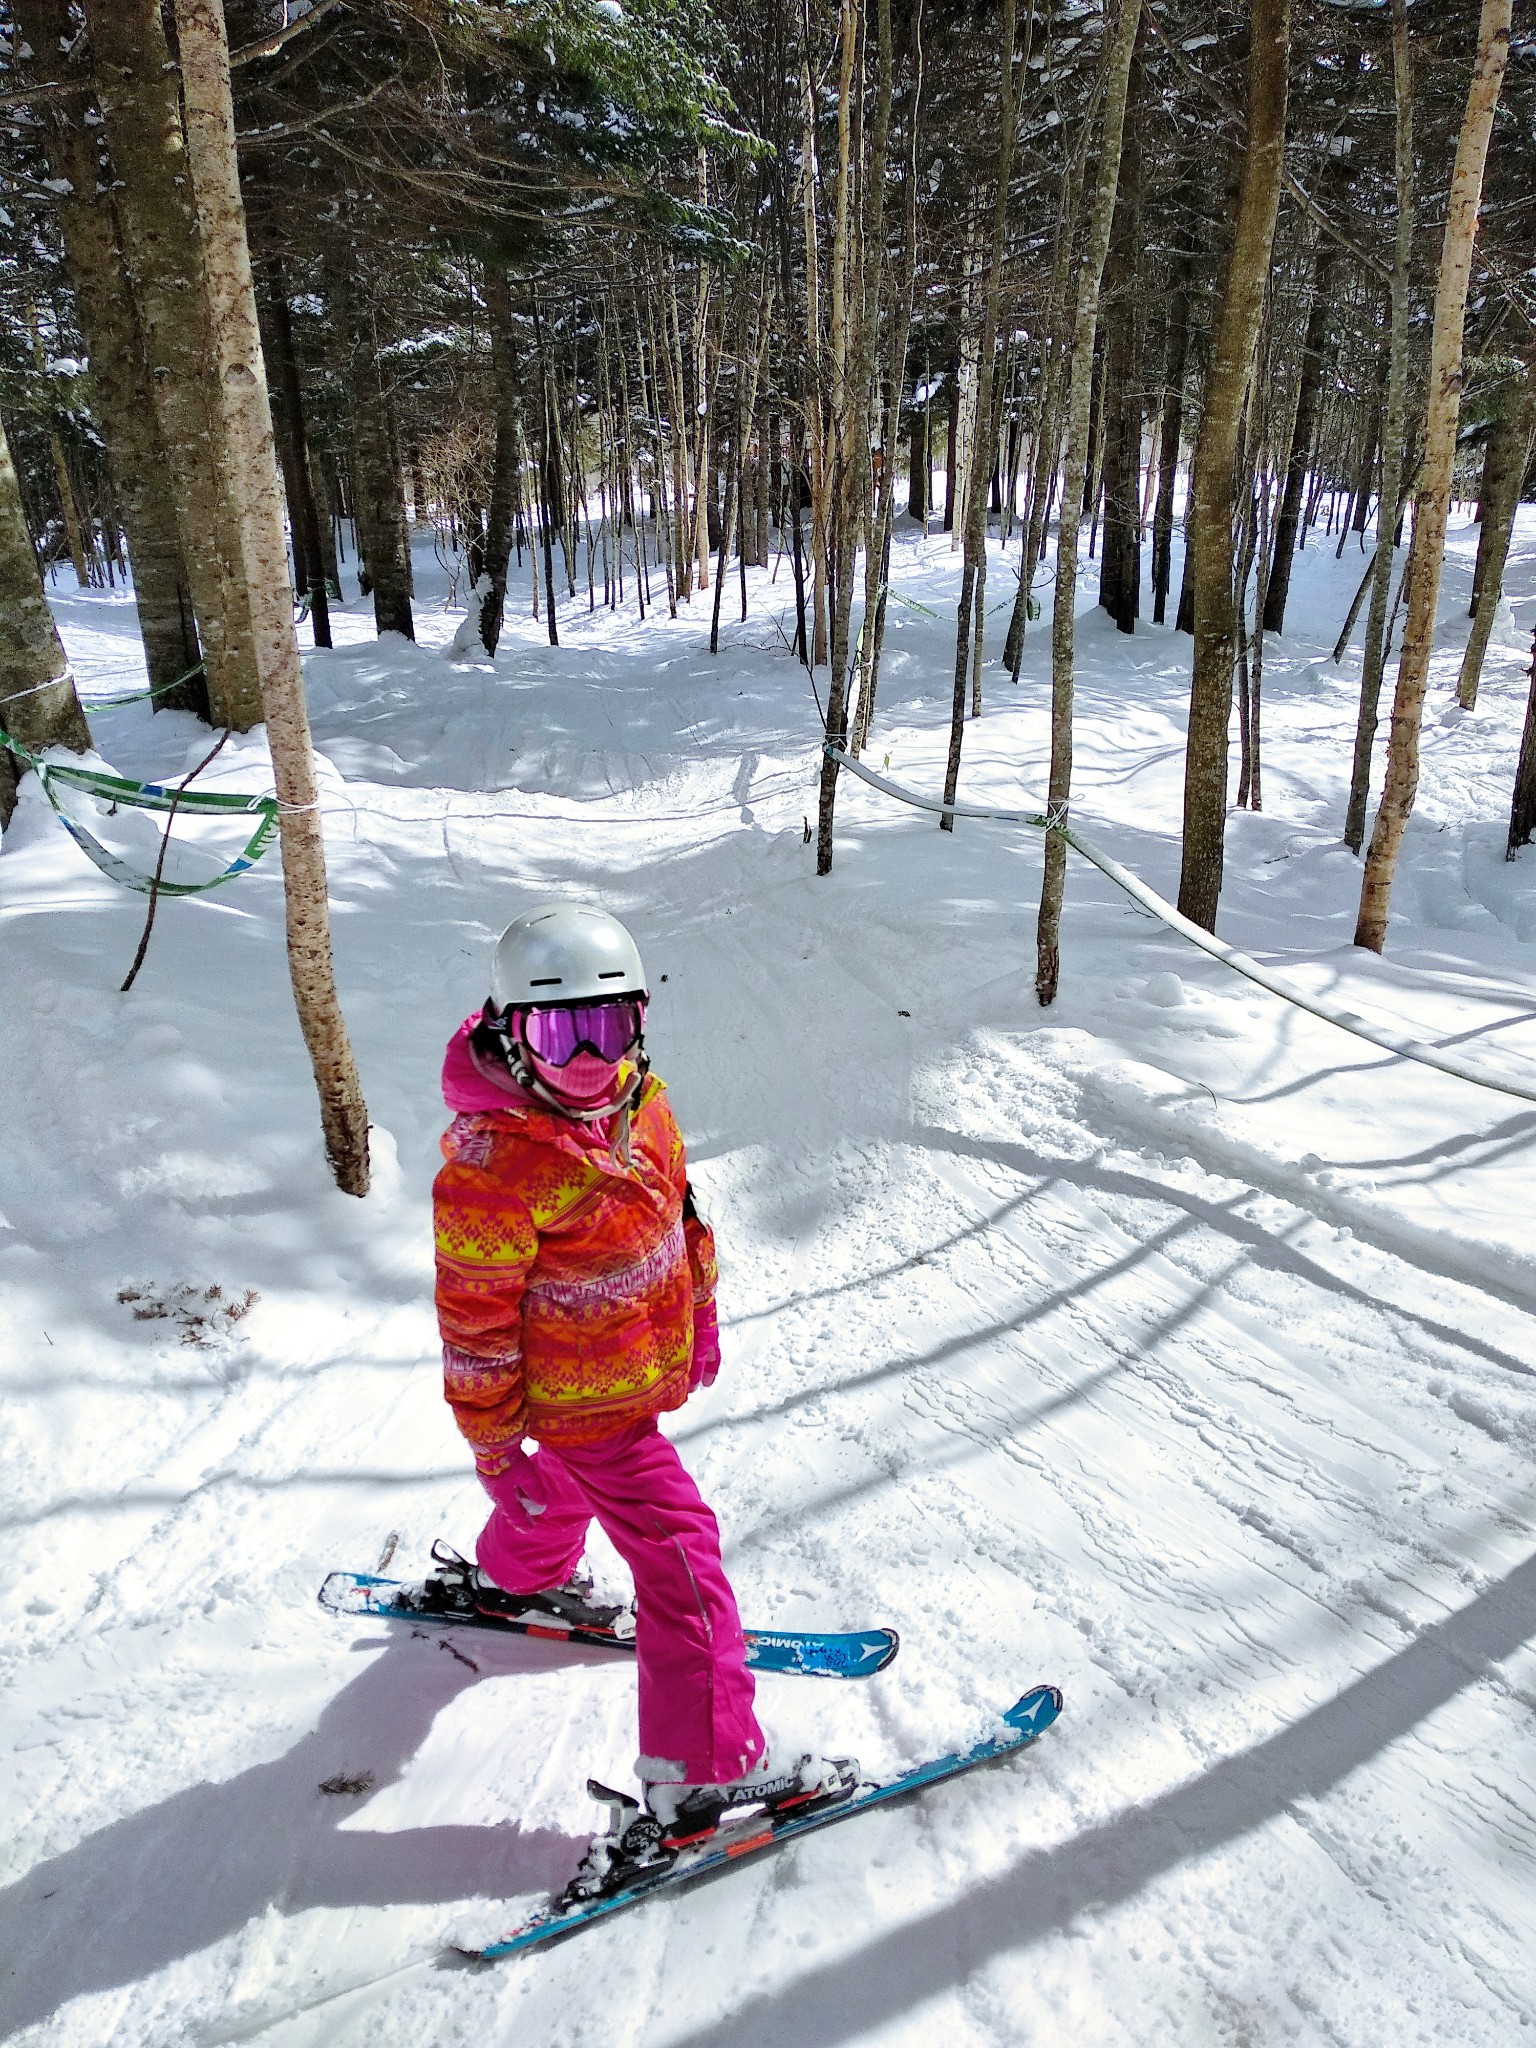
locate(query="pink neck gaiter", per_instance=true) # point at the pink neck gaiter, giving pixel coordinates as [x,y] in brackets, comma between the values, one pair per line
[585,1081]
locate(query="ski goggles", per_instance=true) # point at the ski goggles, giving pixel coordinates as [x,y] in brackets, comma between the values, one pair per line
[606,1030]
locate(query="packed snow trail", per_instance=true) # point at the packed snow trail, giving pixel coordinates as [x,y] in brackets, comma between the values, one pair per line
[1166,1345]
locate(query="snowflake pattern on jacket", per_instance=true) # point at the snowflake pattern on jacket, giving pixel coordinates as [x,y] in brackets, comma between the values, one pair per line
[567,1274]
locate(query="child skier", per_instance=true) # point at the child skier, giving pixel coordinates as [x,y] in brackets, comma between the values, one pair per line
[575,1296]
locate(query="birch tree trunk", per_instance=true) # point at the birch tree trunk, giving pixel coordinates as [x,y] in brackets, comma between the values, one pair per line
[135,82]
[1394,432]
[252,480]
[1443,410]
[38,705]
[1090,276]
[1233,347]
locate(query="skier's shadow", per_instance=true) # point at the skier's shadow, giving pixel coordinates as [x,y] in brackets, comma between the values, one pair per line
[177,1876]
[1108,1863]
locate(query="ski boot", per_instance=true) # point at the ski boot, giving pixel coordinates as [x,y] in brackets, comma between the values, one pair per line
[775,1784]
[459,1587]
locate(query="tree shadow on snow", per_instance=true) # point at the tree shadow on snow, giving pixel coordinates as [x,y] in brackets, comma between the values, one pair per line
[1265,1247]
[851,1995]
[163,1883]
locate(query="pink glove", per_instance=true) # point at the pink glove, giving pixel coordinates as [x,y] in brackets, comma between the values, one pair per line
[706,1346]
[516,1488]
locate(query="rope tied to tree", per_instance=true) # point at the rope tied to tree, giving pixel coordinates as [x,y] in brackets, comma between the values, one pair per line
[88,704]
[1388,1037]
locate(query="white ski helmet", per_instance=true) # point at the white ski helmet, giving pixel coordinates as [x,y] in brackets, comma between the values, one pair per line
[565,953]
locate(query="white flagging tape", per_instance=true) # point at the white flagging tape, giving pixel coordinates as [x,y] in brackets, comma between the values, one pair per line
[1387,1036]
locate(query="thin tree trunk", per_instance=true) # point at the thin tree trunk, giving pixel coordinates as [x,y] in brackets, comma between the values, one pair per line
[247,438]
[918,478]
[1509,453]
[38,705]
[899,328]
[549,472]
[1048,435]
[952,449]
[506,409]
[1256,676]
[329,553]
[288,418]
[704,394]
[971,613]
[375,479]
[1170,439]
[69,510]
[1120,563]
[1394,433]
[1522,810]
[1090,273]
[813,409]
[1232,357]
[1184,611]
[1428,554]
[1310,382]
[404,487]
[746,406]
[856,253]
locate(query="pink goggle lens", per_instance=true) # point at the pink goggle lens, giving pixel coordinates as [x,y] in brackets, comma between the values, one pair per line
[606,1030]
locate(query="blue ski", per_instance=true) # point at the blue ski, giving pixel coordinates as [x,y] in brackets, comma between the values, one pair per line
[732,1843]
[808,1653]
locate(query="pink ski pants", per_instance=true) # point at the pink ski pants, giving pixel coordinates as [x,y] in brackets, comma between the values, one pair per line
[696,1719]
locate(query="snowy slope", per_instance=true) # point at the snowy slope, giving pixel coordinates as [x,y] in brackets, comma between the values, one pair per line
[1169,1344]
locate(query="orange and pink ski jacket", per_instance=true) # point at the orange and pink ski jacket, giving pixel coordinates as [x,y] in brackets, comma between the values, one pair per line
[567,1272]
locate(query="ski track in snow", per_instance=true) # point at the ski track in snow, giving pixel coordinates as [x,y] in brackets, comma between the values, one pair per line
[1169,1345]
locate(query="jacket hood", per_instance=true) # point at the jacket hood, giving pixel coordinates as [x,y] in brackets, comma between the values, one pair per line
[471,1086]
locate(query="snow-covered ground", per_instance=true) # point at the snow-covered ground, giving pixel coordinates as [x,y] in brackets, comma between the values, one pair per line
[1169,1344]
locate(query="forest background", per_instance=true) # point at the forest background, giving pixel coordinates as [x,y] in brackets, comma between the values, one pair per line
[645,294]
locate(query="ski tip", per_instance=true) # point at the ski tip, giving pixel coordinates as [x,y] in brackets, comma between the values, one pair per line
[1034,1711]
[337,1588]
[543,1930]
[888,1655]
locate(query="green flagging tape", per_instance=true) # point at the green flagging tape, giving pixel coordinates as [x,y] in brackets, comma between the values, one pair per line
[137,696]
[1387,1036]
[149,796]
[912,604]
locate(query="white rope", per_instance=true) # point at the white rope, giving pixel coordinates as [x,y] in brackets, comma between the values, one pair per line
[65,675]
[1387,1036]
